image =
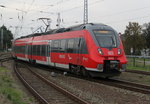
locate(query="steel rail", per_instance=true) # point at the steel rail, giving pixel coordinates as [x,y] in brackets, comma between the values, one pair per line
[65,92]
[30,88]
[133,86]
[7,58]
[5,54]
[139,72]
[121,84]
[145,89]
[4,60]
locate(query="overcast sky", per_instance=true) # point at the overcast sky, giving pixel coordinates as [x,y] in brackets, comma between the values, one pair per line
[21,16]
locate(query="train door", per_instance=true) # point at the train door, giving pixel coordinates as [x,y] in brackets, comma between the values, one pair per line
[71,51]
[48,53]
[78,43]
[83,51]
[26,52]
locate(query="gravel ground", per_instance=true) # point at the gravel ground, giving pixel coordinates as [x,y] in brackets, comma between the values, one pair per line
[98,93]
[133,77]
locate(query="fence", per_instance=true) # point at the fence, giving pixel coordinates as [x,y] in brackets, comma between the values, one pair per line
[142,62]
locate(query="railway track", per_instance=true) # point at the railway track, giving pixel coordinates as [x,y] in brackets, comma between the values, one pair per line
[45,91]
[145,89]
[5,54]
[139,72]
[5,57]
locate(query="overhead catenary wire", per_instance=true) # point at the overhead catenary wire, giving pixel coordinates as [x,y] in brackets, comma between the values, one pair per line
[22,22]
[129,19]
[57,3]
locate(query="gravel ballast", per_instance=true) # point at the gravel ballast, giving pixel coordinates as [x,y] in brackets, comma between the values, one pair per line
[97,93]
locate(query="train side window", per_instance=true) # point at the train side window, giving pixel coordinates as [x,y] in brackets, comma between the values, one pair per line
[62,45]
[84,47]
[17,49]
[34,50]
[38,50]
[29,49]
[55,46]
[43,50]
[22,49]
[26,49]
[70,47]
[77,45]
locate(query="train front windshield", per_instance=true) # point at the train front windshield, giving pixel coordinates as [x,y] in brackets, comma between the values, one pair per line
[106,38]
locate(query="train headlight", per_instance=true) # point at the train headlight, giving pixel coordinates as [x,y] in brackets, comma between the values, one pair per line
[100,51]
[100,67]
[119,51]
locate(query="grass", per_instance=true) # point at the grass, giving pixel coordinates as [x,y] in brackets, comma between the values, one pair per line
[8,88]
[138,68]
[138,64]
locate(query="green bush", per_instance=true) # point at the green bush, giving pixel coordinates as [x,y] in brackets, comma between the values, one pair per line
[7,88]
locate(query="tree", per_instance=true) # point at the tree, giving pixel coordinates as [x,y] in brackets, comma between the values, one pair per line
[146,35]
[7,37]
[133,39]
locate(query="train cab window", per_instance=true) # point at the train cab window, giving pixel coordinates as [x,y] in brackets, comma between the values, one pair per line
[106,38]
[70,48]
[62,46]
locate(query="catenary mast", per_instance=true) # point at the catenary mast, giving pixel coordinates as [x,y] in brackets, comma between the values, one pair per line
[85,20]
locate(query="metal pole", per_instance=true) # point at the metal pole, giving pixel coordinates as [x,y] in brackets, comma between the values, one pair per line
[2,38]
[85,20]
[144,61]
[58,21]
[133,60]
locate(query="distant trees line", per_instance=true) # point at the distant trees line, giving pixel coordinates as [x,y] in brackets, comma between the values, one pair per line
[5,38]
[136,39]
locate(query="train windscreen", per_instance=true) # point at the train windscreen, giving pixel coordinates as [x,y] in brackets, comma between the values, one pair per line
[106,38]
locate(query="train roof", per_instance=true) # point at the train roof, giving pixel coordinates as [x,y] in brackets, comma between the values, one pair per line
[72,28]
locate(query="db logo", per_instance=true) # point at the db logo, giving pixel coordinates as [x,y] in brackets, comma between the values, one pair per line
[110,53]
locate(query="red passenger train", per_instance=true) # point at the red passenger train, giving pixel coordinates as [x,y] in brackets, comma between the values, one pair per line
[88,49]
